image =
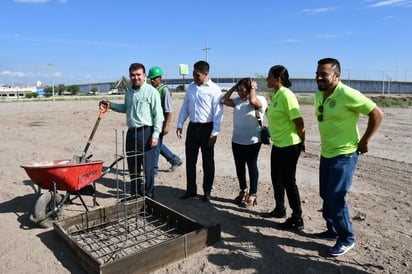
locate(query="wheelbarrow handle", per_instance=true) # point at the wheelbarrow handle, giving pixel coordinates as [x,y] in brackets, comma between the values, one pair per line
[111,166]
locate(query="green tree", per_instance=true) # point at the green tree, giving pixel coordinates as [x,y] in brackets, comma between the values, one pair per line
[31,95]
[93,90]
[73,89]
[124,84]
[181,88]
[48,92]
[61,88]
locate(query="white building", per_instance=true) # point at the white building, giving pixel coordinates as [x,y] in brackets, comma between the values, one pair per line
[16,92]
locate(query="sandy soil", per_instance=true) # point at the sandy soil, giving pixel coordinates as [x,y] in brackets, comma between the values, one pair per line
[380,200]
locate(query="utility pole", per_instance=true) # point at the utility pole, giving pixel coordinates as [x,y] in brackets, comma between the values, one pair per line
[206,49]
[52,76]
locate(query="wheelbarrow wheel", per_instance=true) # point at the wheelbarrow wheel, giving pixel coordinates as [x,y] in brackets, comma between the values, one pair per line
[44,212]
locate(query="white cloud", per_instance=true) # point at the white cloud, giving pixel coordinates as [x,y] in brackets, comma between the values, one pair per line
[39,1]
[32,1]
[327,36]
[386,3]
[9,73]
[291,40]
[319,10]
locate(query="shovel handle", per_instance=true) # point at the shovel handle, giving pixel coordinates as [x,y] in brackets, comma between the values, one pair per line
[103,108]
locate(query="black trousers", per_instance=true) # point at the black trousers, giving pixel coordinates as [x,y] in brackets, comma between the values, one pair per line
[247,155]
[140,154]
[197,137]
[283,173]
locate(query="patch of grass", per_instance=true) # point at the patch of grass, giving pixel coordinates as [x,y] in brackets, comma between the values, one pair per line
[393,101]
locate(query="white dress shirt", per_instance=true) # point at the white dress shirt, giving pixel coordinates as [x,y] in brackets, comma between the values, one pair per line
[202,105]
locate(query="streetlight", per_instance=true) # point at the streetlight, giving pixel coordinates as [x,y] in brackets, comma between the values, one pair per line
[52,76]
[389,83]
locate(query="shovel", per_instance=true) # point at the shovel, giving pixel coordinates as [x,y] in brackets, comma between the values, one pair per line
[83,159]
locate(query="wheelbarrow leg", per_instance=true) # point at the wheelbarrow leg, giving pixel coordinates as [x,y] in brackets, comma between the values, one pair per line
[81,199]
[54,200]
[95,203]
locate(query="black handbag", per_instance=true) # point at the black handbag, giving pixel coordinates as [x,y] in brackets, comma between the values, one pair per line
[264,130]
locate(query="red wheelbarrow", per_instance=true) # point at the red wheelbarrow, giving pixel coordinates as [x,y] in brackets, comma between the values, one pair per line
[62,175]
[74,176]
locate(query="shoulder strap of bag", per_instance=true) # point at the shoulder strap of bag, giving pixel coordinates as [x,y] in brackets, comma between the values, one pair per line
[258,117]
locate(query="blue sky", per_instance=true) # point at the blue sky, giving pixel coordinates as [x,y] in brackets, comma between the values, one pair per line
[95,41]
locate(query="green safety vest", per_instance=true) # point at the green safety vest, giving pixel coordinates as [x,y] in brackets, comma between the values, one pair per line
[160,89]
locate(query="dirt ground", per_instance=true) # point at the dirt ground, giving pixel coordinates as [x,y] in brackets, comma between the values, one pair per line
[380,199]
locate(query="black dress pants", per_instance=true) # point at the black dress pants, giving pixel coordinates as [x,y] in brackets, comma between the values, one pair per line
[140,155]
[283,173]
[197,137]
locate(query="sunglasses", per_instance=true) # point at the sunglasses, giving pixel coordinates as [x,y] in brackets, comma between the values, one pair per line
[320,116]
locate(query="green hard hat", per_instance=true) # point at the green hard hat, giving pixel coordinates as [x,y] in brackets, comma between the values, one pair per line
[155,72]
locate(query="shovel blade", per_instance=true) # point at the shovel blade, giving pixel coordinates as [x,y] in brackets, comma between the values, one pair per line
[77,159]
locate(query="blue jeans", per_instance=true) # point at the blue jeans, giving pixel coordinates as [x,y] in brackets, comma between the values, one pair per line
[335,180]
[162,149]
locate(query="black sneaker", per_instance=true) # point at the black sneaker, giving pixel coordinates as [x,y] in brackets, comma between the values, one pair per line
[276,213]
[326,235]
[206,198]
[340,249]
[292,224]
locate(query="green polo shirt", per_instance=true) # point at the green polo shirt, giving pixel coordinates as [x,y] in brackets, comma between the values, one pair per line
[142,107]
[339,132]
[283,109]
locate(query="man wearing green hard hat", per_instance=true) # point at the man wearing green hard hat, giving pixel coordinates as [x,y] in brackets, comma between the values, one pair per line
[155,76]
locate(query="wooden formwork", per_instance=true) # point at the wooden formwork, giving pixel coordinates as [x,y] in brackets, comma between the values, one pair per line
[184,237]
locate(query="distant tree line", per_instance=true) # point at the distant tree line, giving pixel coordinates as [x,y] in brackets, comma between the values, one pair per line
[62,90]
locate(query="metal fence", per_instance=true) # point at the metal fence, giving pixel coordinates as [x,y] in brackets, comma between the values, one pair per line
[298,85]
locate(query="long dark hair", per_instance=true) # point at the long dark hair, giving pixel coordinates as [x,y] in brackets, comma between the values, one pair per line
[245,83]
[281,72]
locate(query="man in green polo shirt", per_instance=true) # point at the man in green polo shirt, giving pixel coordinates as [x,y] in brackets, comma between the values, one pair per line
[144,118]
[337,107]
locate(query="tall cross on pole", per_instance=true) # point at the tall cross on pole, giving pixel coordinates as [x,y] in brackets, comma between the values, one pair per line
[206,49]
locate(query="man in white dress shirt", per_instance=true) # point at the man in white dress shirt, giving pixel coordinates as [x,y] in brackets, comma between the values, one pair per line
[203,108]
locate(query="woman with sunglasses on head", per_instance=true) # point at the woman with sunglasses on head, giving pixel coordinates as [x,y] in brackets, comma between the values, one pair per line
[287,132]
[246,141]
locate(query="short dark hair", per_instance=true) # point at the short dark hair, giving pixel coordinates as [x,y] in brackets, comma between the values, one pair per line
[136,66]
[202,66]
[334,62]
[281,72]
